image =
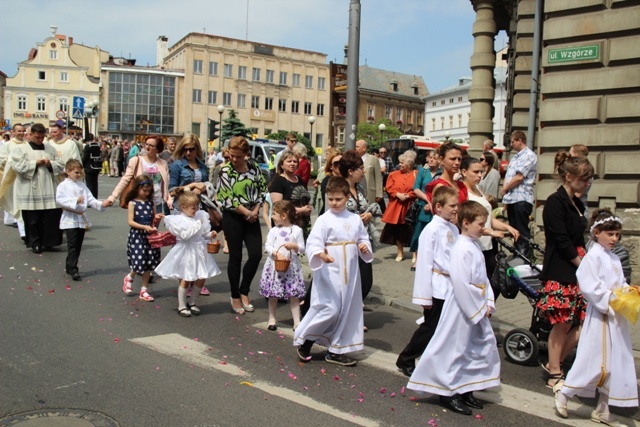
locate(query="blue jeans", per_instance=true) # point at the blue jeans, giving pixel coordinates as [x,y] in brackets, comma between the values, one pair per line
[518,214]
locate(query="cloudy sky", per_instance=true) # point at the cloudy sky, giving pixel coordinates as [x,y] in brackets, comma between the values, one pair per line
[429,38]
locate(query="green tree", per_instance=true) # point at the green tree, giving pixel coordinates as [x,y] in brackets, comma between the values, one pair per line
[370,132]
[281,136]
[233,127]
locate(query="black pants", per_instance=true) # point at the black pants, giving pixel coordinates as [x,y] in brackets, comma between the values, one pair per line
[42,228]
[75,237]
[491,264]
[422,335]
[91,179]
[518,214]
[237,230]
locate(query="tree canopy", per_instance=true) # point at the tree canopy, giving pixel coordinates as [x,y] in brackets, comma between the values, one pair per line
[370,132]
[233,127]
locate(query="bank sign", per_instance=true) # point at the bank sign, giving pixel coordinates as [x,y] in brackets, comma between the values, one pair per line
[572,54]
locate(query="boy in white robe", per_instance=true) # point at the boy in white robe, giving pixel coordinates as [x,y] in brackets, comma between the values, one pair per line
[335,317]
[604,359]
[432,284]
[463,356]
[73,196]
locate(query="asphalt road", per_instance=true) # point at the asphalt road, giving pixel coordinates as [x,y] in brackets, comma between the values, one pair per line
[86,346]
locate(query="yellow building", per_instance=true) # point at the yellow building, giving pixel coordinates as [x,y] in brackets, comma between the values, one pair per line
[272,88]
[55,72]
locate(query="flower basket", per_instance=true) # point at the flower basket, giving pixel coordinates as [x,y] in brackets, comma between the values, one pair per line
[213,246]
[281,262]
[161,239]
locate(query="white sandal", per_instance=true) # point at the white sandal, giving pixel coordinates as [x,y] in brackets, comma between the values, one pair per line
[561,408]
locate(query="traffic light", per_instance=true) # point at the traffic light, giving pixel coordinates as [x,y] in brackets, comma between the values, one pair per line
[213,129]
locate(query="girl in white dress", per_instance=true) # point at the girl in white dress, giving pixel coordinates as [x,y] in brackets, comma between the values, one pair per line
[604,359]
[188,261]
[285,237]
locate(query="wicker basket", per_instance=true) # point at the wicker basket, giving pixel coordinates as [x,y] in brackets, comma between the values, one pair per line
[281,262]
[213,246]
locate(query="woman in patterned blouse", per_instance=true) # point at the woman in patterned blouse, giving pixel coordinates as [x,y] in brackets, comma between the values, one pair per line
[241,188]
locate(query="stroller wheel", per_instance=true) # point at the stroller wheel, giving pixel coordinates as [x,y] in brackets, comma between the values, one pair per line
[521,347]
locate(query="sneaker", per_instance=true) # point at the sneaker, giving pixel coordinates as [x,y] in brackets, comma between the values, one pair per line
[304,354]
[204,291]
[144,296]
[339,359]
[126,287]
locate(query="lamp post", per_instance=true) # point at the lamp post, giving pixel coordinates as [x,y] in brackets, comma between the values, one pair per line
[220,110]
[312,120]
[446,136]
[382,127]
[90,112]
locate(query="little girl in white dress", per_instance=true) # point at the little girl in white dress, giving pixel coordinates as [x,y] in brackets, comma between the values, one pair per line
[283,239]
[188,261]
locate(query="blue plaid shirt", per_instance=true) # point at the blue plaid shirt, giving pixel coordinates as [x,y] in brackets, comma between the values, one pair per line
[524,163]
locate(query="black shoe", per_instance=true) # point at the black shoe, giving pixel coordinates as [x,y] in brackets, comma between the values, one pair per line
[36,249]
[76,276]
[455,404]
[304,353]
[470,400]
[339,359]
[272,327]
[407,370]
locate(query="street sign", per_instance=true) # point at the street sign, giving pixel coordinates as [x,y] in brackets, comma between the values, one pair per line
[60,114]
[571,54]
[78,107]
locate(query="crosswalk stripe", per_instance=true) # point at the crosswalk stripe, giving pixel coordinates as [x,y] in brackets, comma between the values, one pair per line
[519,399]
[199,354]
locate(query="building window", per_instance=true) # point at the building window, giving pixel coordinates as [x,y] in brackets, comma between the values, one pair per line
[308,82]
[433,104]
[409,116]
[228,70]
[255,101]
[268,103]
[63,104]
[387,112]
[320,110]
[283,78]
[242,100]
[419,118]
[197,96]
[370,109]
[450,100]
[416,91]
[195,128]
[433,124]
[307,108]
[319,139]
[213,97]
[270,75]
[399,114]
[441,122]
[226,99]
[296,80]
[282,105]
[321,83]
[295,106]
[53,54]
[255,73]
[459,120]
[197,66]
[459,99]
[450,122]
[213,68]
[42,75]
[442,102]
[41,103]
[64,76]
[394,86]
[242,72]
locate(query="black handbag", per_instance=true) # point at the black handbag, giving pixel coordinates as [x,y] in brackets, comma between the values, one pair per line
[412,214]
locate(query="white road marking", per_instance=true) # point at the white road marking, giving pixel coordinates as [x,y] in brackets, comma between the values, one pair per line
[529,402]
[197,353]
[70,385]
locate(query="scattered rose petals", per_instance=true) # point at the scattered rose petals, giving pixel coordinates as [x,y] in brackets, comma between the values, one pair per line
[116,340]
[323,371]
[392,394]
[402,390]
[196,339]
[51,291]
[157,368]
[67,287]
[337,378]
[478,417]
[413,398]
[222,363]
[383,390]
[432,422]
[29,288]
[293,377]
[353,386]
[251,353]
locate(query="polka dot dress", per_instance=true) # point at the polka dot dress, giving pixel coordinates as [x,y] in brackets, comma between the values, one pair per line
[142,257]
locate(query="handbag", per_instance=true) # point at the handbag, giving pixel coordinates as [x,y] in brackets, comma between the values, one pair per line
[123,203]
[412,213]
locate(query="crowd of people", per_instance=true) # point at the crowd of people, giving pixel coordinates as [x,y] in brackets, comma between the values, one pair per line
[454,199]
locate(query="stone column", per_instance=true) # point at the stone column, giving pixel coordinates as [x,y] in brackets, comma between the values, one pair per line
[483,61]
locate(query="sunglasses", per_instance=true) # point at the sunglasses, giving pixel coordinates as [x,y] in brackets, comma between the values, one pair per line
[336,163]
[483,160]
[189,149]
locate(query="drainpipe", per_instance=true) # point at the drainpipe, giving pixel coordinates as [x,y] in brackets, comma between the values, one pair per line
[535,72]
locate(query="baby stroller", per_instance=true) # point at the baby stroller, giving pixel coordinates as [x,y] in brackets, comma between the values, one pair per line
[516,273]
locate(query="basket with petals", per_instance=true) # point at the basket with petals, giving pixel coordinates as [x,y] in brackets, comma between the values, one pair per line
[213,246]
[160,239]
[281,262]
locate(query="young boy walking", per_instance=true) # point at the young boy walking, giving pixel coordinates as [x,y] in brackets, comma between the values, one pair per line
[432,284]
[335,317]
[73,196]
[463,356]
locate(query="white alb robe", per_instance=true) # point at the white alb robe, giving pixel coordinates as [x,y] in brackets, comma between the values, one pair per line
[604,335]
[188,259]
[67,195]
[35,186]
[67,149]
[335,318]
[8,177]
[432,266]
[462,356]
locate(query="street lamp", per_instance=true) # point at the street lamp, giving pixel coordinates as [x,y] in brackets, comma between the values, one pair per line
[90,112]
[446,136]
[312,120]
[381,127]
[220,110]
